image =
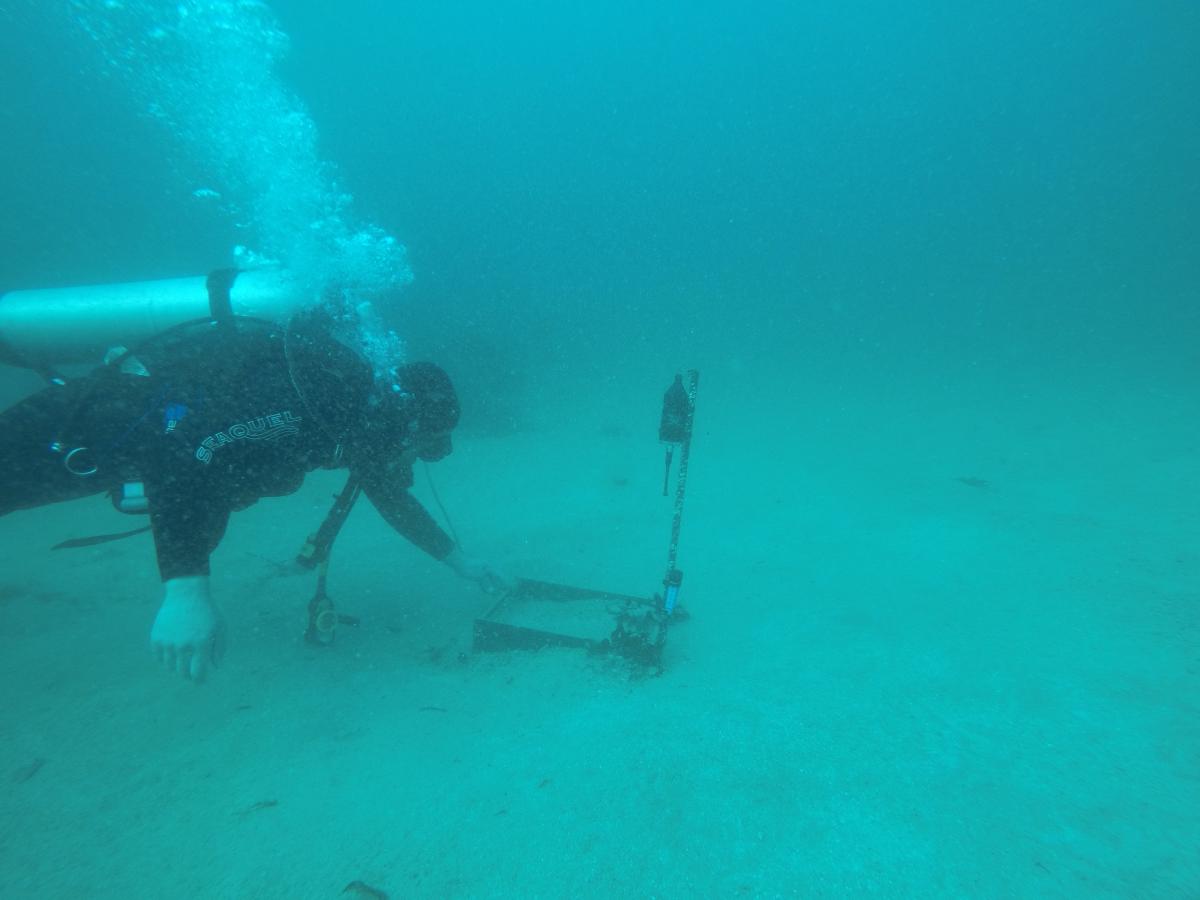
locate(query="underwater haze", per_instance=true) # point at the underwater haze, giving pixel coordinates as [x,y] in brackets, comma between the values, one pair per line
[937,266]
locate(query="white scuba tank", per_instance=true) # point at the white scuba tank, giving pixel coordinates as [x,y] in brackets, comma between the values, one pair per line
[78,324]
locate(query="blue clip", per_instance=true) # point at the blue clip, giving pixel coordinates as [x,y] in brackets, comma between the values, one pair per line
[172,415]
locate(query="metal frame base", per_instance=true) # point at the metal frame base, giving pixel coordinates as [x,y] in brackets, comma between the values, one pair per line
[599,622]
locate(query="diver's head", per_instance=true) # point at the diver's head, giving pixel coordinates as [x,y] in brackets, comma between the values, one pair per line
[426,408]
[403,413]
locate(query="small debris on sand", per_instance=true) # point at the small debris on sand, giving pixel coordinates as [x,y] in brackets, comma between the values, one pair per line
[362,889]
[23,774]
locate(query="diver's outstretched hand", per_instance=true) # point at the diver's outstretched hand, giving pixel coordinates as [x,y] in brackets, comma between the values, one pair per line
[188,634]
[489,578]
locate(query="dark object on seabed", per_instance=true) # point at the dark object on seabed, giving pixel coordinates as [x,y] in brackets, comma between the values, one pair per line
[258,806]
[362,889]
[537,614]
[639,637]
[23,774]
[972,481]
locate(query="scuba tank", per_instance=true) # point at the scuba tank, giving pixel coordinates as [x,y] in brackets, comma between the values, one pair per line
[79,324]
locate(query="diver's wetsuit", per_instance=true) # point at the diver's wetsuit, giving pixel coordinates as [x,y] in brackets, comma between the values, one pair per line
[220,421]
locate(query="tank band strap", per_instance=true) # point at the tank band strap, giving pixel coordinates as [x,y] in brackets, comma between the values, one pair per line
[219,284]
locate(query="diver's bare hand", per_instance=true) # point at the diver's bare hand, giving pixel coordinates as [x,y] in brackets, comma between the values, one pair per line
[489,578]
[188,634]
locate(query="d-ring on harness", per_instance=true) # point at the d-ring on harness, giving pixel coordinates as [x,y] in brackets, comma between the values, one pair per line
[69,461]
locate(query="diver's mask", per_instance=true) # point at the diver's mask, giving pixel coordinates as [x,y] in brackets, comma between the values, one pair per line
[415,422]
[432,447]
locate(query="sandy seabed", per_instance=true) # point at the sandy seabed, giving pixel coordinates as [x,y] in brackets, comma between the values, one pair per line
[940,645]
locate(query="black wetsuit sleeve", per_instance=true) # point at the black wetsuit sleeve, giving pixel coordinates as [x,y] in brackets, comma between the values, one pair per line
[390,495]
[187,527]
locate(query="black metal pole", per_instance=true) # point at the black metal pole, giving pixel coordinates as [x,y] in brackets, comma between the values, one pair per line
[674,577]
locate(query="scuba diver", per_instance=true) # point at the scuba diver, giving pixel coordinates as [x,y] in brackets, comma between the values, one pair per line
[212,415]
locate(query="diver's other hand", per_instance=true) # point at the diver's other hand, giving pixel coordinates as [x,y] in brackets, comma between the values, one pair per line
[491,579]
[188,634]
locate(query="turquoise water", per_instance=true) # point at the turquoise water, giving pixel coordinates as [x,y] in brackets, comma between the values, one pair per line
[937,266]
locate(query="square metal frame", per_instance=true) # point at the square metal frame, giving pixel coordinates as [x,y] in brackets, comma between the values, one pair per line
[638,632]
